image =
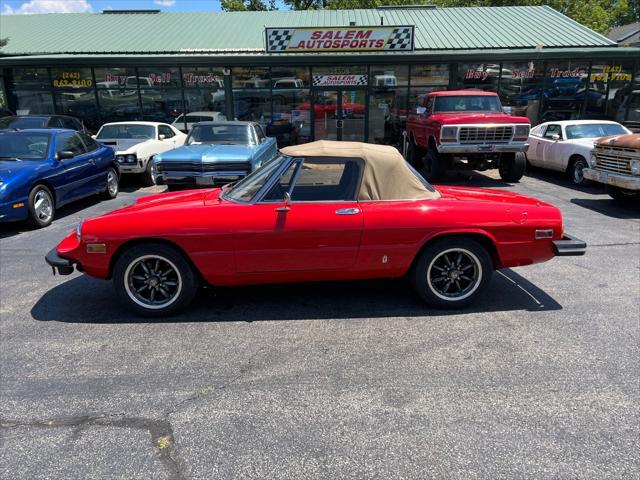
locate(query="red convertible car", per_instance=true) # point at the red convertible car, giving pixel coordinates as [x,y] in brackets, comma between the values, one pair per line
[320,211]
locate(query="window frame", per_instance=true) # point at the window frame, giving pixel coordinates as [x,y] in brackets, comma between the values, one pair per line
[544,135]
[72,133]
[165,127]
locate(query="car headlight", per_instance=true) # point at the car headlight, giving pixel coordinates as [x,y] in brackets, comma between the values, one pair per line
[131,159]
[120,158]
[79,232]
[635,167]
[521,131]
[449,133]
[593,160]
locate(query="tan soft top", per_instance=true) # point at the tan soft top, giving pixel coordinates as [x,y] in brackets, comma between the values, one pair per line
[386,174]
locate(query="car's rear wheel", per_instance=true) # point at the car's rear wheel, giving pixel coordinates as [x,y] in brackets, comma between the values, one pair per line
[512,166]
[113,184]
[623,195]
[41,207]
[154,280]
[452,272]
[576,171]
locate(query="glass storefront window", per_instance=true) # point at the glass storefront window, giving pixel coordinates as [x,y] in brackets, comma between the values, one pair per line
[252,105]
[389,76]
[340,70]
[32,101]
[71,77]
[564,91]
[119,105]
[203,77]
[291,121]
[205,100]
[80,104]
[116,78]
[417,96]
[257,77]
[31,79]
[290,77]
[481,76]
[161,104]
[632,104]
[388,109]
[521,89]
[435,74]
[609,87]
[159,77]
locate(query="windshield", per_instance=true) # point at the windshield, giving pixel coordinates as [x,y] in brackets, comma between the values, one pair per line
[127,131]
[23,122]
[467,103]
[222,134]
[193,119]
[24,146]
[245,189]
[594,130]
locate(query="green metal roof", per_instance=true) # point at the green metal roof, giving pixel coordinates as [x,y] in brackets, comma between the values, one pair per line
[200,33]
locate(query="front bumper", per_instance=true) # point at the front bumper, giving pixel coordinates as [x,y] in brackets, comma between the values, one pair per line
[483,148]
[197,178]
[14,210]
[62,265]
[627,182]
[569,246]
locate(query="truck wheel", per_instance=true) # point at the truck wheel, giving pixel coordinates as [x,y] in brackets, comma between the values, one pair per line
[154,280]
[512,167]
[575,171]
[147,177]
[452,272]
[623,195]
[435,165]
[413,155]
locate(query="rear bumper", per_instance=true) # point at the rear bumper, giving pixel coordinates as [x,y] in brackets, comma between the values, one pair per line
[483,148]
[62,265]
[627,182]
[569,246]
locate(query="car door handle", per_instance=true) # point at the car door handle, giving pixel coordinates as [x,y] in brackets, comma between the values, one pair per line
[348,211]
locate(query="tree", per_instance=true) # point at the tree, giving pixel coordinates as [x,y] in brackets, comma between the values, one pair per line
[247,5]
[3,42]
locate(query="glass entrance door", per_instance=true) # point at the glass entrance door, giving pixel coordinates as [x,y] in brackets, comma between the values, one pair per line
[339,115]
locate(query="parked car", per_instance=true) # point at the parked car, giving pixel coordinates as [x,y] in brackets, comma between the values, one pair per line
[319,211]
[43,121]
[192,118]
[615,161]
[215,152]
[43,169]
[566,146]
[136,143]
[469,125]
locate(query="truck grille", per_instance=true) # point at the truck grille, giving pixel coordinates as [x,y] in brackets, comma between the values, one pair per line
[167,167]
[615,159]
[485,134]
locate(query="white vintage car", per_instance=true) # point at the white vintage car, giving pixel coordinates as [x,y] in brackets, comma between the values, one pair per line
[136,143]
[184,122]
[566,145]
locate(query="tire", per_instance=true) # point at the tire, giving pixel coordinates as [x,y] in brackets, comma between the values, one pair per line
[42,208]
[575,173]
[413,155]
[448,259]
[141,273]
[147,177]
[435,165]
[512,167]
[623,196]
[113,187]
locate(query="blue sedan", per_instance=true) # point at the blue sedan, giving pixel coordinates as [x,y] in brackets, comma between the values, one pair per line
[43,169]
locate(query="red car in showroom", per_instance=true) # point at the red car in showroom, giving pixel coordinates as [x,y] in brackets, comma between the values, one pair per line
[318,212]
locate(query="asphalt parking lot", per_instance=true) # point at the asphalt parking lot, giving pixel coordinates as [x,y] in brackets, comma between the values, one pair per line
[352,380]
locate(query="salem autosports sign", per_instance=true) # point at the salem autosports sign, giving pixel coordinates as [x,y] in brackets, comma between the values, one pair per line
[340,39]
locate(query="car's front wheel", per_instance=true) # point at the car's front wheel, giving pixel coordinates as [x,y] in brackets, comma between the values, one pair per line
[452,272]
[41,207]
[147,175]
[623,195]
[576,171]
[154,280]
[512,166]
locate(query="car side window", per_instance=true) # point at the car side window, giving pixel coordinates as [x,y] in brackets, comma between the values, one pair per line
[166,131]
[70,123]
[553,130]
[90,144]
[327,179]
[283,185]
[259,134]
[56,122]
[70,141]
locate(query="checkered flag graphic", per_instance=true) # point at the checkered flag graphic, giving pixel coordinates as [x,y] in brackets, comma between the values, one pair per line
[279,39]
[317,80]
[400,39]
[362,80]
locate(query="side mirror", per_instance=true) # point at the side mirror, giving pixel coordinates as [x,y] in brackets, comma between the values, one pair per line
[94,136]
[555,137]
[285,207]
[64,155]
[162,136]
[508,110]
[421,110]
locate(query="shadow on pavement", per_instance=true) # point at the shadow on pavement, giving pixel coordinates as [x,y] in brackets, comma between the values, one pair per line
[609,207]
[87,300]
[560,179]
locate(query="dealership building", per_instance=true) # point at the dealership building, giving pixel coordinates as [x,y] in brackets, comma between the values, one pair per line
[304,75]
